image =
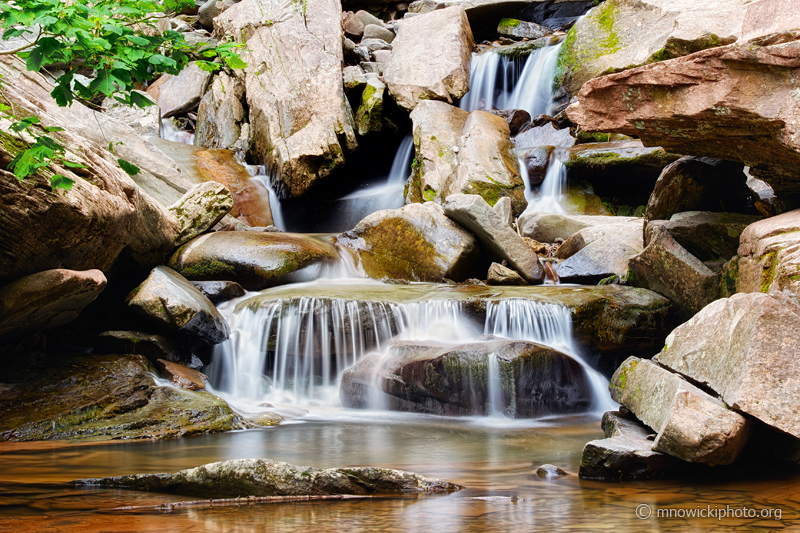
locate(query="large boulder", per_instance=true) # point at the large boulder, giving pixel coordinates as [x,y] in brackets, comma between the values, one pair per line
[602,257]
[769,255]
[460,152]
[746,348]
[101,397]
[668,268]
[495,236]
[221,113]
[416,242]
[46,300]
[414,73]
[263,477]
[255,260]
[547,227]
[691,424]
[200,209]
[711,104]
[182,93]
[515,378]
[301,123]
[174,304]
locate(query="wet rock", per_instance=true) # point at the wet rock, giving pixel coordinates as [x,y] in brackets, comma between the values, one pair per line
[182,93]
[502,275]
[255,260]
[520,29]
[414,74]
[171,302]
[516,118]
[300,121]
[547,227]
[504,210]
[101,397]
[536,162]
[626,453]
[452,379]
[182,376]
[711,104]
[745,348]
[221,113]
[668,268]
[264,477]
[691,425]
[369,117]
[496,237]
[200,209]
[373,31]
[153,347]
[546,135]
[769,255]
[598,259]
[548,471]
[707,236]
[46,300]
[219,291]
[416,242]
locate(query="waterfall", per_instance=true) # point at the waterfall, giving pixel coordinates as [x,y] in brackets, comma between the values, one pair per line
[497,81]
[169,131]
[388,193]
[259,174]
[552,189]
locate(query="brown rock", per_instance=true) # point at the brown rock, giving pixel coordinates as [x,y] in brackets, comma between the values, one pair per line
[769,255]
[181,375]
[516,118]
[353,28]
[502,275]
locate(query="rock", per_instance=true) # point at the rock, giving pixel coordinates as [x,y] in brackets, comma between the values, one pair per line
[300,121]
[601,258]
[168,300]
[709,104]
[144,121]
[745,348]
[373,31]
[88,226]
[382,56]
[201,209]
[221,113]
[354,80]
[707,236]
[182,376]
[199,39]
[373,45]
[496,237]
[516,118]
[668,268]
[547,227]
[182,93]
[366,18]
[101,397]
[153,347]
[210,9]
[536,161]
[629,234]
[626,454]
[501,275]
[414,74]
[369,117]
[546,135]
[521,29]
[416,242]
[353,28]
[547,471]
[250,198]
[45,300]
[451,379]
[239,478]
[460,152]
[769,255]
[504,210]
[691,425]
[253,259]
[698,184]
[372,67]
[219,291]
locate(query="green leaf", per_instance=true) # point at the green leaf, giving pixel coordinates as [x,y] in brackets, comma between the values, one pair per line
[61,182]
[70,164]
[140,100]
[235,62]
[128,167]
[207,66]
[24,124]
[35,58]
[139,41]
[53,128]
[158,59]
[113,28]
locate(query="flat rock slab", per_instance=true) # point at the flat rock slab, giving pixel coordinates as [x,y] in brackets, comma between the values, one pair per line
[264,477]
[747,349]
[691,425]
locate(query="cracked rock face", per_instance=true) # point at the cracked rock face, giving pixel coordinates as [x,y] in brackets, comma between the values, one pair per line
[301,122]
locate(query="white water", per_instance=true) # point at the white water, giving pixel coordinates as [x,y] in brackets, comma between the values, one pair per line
[497,81]
[259,174]
[169,131]
[388,194]
[551,192]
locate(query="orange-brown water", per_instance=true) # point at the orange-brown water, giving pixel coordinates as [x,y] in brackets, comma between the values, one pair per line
[493,460]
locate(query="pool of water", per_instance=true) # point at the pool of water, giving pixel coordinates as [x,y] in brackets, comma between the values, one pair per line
[492,458]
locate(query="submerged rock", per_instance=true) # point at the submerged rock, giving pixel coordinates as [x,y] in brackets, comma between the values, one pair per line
[416,242]
[548,471]
[255,260]
[101,397]
[449,379]
[263,477]
[170,301]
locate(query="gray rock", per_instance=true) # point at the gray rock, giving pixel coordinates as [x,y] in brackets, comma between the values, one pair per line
[219,291]
[382,56]
[546,135]
[373,31]
[520,29]
[170,301]
[182,93]
[668,268]
[354,79]
[628,233]
[415,74]
[601,258]
[46,300]
[746,348]
[210,9]
[375,44]
[548,471]
[372,67]
[221,114]
[547,227]
[495,236]
[504,210]
[264,477]
[501,275]
[200,209]
[153,347]
[366,18]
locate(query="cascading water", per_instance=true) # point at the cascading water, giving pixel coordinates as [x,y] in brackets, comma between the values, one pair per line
[259,173]
[551,191]
[498,81]
[169,131]
[388,194]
